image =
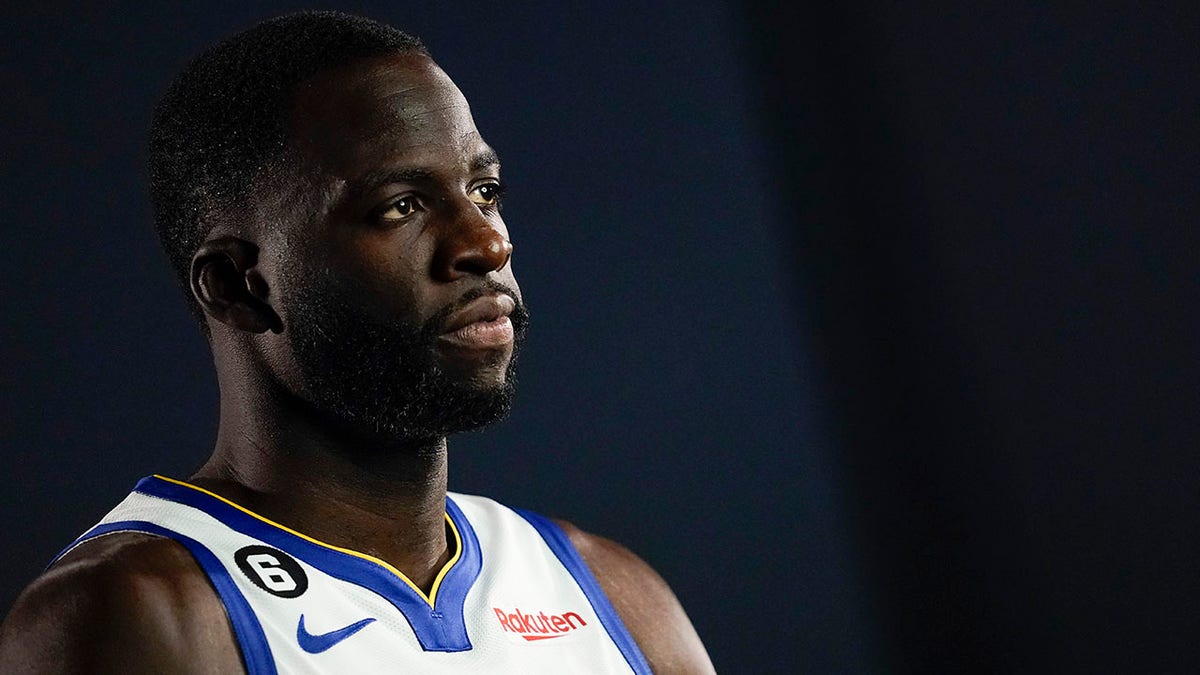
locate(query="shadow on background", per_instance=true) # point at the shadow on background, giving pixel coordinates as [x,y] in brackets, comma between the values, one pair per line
[996,230]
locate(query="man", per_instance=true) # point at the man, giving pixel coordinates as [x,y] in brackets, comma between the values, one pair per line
[322,191]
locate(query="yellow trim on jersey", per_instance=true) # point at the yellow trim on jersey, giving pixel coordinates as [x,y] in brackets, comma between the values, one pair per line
[437,582]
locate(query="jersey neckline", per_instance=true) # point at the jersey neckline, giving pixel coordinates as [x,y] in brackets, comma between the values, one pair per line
[430,598]
[437,618]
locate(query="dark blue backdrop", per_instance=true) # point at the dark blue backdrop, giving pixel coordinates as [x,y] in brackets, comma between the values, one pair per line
[870,325]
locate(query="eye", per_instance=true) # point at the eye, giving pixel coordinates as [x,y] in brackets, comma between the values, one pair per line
[399,209]
[487,194]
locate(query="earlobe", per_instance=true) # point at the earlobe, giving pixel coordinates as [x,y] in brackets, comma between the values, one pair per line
[229,288]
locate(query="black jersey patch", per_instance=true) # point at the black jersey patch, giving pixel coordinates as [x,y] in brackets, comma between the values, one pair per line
[272,570]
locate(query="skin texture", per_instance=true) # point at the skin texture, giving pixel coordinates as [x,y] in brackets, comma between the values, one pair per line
[398,179]
[127,603]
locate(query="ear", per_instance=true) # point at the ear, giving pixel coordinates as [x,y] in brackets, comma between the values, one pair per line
[228,286]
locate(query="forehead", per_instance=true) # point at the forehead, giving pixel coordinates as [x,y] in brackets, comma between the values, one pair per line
[394,109]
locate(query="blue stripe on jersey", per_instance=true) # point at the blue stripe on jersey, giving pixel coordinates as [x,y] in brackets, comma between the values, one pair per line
[452,593]
[256,654]
[562,547]
[441,628]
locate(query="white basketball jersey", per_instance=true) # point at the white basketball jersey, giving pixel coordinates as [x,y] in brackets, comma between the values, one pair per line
[515,598]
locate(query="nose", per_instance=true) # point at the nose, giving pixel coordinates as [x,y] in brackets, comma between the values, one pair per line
[470,244]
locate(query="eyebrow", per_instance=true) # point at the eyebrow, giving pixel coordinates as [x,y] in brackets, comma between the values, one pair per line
[373,179]
[485,159]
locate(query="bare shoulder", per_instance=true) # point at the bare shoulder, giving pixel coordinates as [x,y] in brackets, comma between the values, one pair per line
[129,603]
[645,603]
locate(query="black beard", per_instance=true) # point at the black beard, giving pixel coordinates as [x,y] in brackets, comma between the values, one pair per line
[382,379]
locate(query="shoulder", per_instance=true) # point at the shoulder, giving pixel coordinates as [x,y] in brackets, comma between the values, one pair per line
[127,602]
[645,603]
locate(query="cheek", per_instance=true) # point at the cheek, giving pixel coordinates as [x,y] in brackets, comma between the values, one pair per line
[388,274]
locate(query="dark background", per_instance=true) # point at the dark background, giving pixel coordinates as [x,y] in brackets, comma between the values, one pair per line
[870,327]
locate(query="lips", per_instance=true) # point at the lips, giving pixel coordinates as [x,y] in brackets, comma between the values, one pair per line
[482,324]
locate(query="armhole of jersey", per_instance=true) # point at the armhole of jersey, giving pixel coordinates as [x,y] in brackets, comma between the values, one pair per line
[565,551]
[256,654]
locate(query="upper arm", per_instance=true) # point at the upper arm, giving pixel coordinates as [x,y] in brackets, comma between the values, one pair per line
[125,603]
[645,604]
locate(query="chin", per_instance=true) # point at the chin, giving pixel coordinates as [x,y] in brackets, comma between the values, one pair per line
[438,408]
[475,367]
[487,381]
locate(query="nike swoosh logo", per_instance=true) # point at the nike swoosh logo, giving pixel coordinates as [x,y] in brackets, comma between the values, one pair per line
[315,644]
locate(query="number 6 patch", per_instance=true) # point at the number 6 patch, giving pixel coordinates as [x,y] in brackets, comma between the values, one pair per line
[272,570]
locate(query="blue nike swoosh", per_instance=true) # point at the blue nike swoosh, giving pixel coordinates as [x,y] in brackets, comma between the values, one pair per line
[315,644]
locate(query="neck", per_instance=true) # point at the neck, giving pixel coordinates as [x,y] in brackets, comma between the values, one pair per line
[382,497]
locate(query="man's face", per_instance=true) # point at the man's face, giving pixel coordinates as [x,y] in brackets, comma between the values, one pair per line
[400,311]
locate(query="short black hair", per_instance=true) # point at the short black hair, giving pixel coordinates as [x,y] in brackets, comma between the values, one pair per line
[222,123]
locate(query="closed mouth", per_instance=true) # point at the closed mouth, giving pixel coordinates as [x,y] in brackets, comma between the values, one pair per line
[482,324]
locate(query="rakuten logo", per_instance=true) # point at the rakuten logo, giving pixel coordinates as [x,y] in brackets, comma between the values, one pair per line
[540,626]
